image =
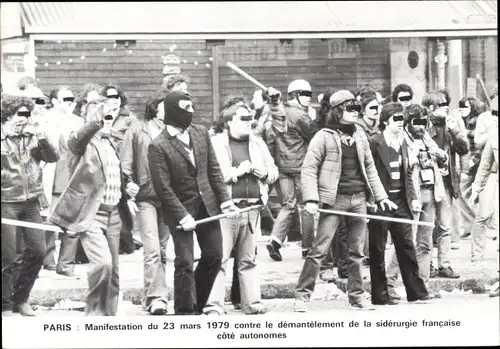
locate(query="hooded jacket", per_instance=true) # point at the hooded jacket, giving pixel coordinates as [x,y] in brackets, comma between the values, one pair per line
[370,131]
[288,135]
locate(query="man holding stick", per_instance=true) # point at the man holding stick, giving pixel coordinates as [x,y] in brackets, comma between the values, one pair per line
[187,178]
[339,173]
[390,154]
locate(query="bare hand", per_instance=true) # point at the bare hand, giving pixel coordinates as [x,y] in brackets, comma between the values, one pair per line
[132,189]
[474,197]
[132,207]
[244,167]
[437,152]
[386,203]
[259,172]
[189,223]
[416,206]
[312,207]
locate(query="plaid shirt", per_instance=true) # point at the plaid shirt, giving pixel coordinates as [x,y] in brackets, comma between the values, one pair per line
[112,194]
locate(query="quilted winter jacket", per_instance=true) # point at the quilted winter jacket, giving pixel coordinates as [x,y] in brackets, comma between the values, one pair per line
[323,166]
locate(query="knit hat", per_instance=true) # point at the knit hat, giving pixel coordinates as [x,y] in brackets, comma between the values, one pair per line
[340,97]
[389,110]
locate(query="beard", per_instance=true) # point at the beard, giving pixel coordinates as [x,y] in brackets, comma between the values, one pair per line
[417,133]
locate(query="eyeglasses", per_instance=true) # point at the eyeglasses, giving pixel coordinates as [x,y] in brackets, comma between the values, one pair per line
[494,112]
[39,101]
[404,99]
[69,99]
[444,104]
[113,96]
[305,93]
[419,122]
[353,108]
[25,114]
[374,107]
[398,117]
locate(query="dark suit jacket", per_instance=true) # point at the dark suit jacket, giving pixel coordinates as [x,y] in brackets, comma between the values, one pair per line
[181,186]
[380,151]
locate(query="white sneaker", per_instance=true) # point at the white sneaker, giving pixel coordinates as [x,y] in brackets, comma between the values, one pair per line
[455,246]
[362,304]
[158,307]
[300,306]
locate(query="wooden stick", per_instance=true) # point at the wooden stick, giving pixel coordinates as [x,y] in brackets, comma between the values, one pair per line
[38,226]
[380,218]
[478,77]
[246,76]
[222,215]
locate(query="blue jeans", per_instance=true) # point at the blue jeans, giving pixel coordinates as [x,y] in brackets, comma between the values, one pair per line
[101,243]
[291,195]
[154,235]
[19,274]
[327,226]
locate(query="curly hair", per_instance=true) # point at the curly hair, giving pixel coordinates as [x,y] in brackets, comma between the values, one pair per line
[171,81]
[152,104]
[324,106]
[11,104]
[401,88]
[123,98]
[414,111]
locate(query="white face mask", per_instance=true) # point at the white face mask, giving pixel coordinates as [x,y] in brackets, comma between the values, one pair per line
[305,101]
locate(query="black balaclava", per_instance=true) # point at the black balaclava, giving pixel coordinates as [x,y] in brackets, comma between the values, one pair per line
[174,115]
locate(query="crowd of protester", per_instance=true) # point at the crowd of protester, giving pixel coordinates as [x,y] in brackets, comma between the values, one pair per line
[114,181]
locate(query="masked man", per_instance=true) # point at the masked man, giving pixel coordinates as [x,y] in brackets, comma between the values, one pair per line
[89,206]
[187,178]
[339,174]
[24,146]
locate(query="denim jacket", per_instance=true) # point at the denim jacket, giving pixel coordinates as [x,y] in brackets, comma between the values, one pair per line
[21,170]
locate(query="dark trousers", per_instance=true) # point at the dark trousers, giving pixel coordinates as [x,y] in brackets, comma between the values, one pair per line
[405,251]
[16,289]
[192,287]
[67,252]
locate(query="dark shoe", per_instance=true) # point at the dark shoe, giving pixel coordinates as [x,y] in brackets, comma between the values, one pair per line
[138,245]
[24,309]
[68,273]
[393,295]
[447,273]
[158,307]
[51,267]
[390,301]
[237,306]
[274,251]
[211,312]
[366,262]
[425,299]
[434,272]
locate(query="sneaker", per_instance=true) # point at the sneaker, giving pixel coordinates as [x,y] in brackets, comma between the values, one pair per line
[362,304]
[24,309]
[393,294]
[211,312]
[258,311]
[274,251]
[300,306]
[327,275]
[434,272]
[51,267]
[495,289]
[158,307]
[455,246]
[68,273]
[447,273]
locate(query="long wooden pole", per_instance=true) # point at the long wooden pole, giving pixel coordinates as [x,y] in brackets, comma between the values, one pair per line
[380,218]
[223,215]
[246,76]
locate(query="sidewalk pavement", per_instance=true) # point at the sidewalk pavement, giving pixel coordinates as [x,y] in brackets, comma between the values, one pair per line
[278,279]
